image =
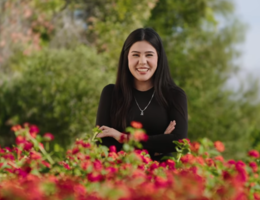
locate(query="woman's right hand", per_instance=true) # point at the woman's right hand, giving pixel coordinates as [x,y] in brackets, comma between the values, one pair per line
[170,128]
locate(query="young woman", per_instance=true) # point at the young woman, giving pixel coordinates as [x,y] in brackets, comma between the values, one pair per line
[144,92]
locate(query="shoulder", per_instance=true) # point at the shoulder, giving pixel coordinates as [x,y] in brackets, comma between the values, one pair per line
[178,100]
[108,89]
[177,93]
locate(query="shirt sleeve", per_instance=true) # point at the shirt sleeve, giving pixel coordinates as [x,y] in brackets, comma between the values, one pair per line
[162,143]
[104,117]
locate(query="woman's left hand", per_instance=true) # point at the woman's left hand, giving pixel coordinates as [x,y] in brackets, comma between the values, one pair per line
[109,132]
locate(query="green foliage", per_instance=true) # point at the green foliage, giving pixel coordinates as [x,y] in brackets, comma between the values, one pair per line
[57,89]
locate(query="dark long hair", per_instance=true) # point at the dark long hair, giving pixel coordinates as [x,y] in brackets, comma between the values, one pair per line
[123,91]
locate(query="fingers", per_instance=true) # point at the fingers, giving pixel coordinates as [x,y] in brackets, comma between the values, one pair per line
[170,128]
[103,128]
[104,133]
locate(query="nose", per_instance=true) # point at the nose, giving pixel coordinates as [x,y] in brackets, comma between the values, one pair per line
[142,60]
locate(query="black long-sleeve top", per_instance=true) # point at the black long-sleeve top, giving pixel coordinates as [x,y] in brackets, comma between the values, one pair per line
[155,120]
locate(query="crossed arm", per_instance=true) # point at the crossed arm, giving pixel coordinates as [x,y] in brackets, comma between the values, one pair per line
[177,128]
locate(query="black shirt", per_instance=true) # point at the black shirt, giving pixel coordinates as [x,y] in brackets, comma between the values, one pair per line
[155,120]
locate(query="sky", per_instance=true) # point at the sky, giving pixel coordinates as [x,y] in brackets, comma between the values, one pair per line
[248,12]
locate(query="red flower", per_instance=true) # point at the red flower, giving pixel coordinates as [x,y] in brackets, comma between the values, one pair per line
[65,165]
[210,162]
[112,148]
[136,124]
[195,146]
[35,155]
[182,140]
[170,164]
[253,153]
[16,128]
[140,136]
[34,130]
[48,136]
[75,150]
[97,165]
[226,175]
[84,165]
[254,166]
[220,158]
[94,177]
[219,146]
[188,158]
[85,145]
[8,156]
[46,164]
[124,138]
[154,166]
[20,140]
[27,146]
[231,162]
[256,196]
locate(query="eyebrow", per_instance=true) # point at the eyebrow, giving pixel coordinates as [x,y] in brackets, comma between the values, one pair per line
[139,52]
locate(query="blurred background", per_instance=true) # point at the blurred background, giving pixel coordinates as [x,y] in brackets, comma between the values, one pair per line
[57,55]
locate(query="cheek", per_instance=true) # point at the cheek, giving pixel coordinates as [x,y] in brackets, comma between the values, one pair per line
[131,62]
[153,62]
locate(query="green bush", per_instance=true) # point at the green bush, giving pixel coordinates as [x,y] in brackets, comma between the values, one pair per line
[57,89]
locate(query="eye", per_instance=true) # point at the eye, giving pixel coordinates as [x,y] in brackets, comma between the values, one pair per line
[149,55]
[136,55]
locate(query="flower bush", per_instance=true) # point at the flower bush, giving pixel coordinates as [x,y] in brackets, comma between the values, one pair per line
[198,170]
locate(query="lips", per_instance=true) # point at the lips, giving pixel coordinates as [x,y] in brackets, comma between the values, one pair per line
[142,69]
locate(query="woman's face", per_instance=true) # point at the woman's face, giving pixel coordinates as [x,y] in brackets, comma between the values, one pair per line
[142,61]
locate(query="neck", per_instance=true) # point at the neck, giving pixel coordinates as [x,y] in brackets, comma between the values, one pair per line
[143,85]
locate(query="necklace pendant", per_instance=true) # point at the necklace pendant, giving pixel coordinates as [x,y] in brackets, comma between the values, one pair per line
[142,112]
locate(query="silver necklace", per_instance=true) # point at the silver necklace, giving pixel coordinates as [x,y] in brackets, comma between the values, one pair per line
[142,111]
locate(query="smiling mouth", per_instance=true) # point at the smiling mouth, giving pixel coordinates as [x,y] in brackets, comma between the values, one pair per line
[142,69]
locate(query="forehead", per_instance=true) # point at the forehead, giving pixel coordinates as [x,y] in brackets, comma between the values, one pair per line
[142,46]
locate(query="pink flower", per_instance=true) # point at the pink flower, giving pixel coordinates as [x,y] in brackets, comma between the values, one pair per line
[112,148]
[75,150]
[34,130]
[27,146]
[170,164]
[48,137]
[231,162]
[154,166]
[254,166]
[8,156]
[97,165]
[94,177]
[253,153]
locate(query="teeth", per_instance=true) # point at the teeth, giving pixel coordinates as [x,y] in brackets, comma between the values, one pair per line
[142,70]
